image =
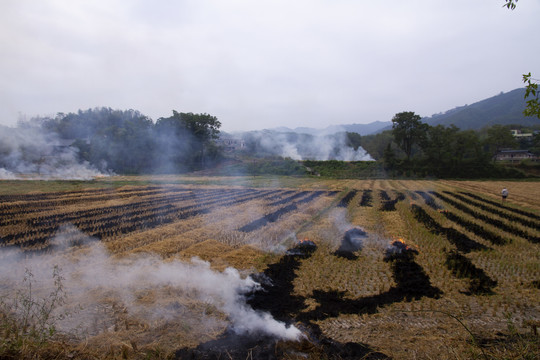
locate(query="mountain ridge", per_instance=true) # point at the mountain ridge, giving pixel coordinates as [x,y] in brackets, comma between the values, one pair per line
[501,109]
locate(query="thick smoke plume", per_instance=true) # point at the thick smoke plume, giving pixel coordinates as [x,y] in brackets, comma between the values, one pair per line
[304,146]
[31,153]
[91,275]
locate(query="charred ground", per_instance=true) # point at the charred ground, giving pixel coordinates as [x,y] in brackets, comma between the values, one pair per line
[325,255]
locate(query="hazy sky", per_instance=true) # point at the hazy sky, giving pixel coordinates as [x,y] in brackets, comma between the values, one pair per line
[262,63]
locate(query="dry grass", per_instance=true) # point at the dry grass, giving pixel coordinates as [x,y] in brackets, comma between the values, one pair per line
[404,330]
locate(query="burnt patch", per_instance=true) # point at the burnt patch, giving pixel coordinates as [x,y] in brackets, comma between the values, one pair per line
[269,218]
[276,297]
[504,226]
[429,200]
[367,198]
[388,204]
[240,347]
[476,229]
[506,208]
[412,283]
[462,242]
[479,282]
[344,202]
[231,345]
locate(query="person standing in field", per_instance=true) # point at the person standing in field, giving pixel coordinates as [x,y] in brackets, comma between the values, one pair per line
[504,194]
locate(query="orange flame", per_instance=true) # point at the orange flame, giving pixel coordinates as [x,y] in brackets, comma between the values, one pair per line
[400,240]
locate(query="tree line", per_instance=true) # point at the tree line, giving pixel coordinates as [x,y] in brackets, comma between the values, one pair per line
[128,142]
[414,148]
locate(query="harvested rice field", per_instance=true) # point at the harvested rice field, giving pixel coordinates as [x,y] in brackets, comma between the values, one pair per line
[274,268]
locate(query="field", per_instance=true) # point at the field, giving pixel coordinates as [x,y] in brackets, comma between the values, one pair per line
[370,269]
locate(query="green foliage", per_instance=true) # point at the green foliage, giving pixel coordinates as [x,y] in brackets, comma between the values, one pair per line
[376,144]
[128,142]
[191,146]
[408,131]
[499,137]
[268,166]
[354,140]
[344,169]
[202,126]
[446,152]
[531,90]
[510,4]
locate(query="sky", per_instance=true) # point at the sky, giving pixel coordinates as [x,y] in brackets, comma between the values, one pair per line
[258,64]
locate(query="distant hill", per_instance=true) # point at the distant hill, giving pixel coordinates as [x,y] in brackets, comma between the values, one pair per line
[503,109]
[362,129]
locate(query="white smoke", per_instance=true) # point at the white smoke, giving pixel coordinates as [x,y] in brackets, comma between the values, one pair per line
[90,271]
[304,147]
[30,153]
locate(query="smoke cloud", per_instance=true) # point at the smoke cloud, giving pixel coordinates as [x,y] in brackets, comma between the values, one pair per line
[303,146]
[31,153]
[91,276]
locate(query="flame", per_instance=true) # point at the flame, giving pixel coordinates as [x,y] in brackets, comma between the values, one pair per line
[401,241]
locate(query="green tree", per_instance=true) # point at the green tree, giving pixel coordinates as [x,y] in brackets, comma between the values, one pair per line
[438,143]
[354,140]
[408,131]
[389,158]
[499,137]
[204,128]
[376,144]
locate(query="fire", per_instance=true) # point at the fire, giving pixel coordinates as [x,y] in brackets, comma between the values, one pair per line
[400,240]
[400,243]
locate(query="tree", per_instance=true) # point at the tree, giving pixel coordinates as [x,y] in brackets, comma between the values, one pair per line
[376,144]
[438,147]
[204,127]
[354,140]
[499,137]
[389,158]
[197,132]
[408,131]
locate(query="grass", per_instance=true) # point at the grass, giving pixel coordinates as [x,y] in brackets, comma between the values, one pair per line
[423,328]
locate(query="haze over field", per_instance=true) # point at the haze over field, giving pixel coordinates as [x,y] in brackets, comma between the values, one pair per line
[262,64]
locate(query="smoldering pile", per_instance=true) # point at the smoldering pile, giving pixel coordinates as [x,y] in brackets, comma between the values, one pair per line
[351,242]
[399,249]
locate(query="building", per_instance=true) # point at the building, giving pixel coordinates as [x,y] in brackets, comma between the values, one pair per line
[229,144]
[519,135]
[515,155]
